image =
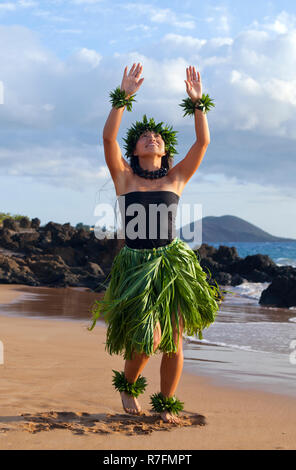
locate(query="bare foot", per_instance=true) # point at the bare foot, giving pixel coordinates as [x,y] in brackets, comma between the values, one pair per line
[170,417]
[130,404]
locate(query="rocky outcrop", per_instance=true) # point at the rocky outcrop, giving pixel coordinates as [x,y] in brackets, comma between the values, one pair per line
[226,267]
[54,255]
[281,292]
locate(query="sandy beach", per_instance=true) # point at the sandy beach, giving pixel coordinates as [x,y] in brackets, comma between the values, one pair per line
[57,393]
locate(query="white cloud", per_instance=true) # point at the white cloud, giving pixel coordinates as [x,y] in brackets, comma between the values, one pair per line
[251,104]
[186,41]
[89,56]
[214,60]
[86,2]
[282,24]
[246,84]
[48,107]
[143,27]
[47,15]
[70,31]
[221,41]
[161,15]
[35,56]
[219,19]
[60,19]
[42,13]
[257,78]
[281,90]
[58,164]
[27,3]
[169,79]
[8,6]
[224,24]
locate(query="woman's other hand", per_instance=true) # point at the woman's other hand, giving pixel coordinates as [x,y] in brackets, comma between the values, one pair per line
[131,81]
[193,84]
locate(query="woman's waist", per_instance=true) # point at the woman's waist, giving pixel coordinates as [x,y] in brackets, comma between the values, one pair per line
[149,244]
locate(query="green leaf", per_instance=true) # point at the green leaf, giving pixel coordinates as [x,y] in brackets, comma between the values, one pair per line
[119,99]
[122,385]
[161,403]
[189,106]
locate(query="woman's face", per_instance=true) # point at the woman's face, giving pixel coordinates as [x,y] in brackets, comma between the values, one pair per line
[149,142]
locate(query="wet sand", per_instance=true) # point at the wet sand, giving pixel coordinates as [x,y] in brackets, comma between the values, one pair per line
[57,393]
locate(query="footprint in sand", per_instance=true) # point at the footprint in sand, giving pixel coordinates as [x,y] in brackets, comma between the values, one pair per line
[84,423]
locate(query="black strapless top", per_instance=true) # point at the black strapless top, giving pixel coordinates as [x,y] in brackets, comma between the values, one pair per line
[148,218]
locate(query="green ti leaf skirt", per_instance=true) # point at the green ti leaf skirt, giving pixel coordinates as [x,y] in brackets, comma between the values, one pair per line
[151,285]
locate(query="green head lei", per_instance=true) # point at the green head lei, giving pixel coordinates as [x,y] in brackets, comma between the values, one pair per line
[137,129]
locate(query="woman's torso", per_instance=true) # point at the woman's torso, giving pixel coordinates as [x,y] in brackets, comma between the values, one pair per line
[166,190]
[148,218]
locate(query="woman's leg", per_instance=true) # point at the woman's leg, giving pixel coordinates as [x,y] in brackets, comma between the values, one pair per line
[171,369]
[132,369]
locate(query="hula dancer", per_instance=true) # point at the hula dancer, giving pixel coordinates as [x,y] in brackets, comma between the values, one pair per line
[157,288]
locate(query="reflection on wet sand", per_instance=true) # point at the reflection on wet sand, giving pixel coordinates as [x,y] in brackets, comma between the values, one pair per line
[71,303]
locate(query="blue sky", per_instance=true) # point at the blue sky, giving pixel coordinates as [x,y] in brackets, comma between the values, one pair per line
[60,59]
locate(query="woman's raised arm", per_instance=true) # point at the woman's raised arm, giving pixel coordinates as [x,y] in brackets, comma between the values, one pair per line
[186,168]
[131,82]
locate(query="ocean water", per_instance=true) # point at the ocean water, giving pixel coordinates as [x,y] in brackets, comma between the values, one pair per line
[248,345]
[282,253]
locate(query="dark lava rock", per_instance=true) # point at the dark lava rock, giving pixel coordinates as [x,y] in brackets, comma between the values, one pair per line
[250,263]
[280,293]
[223,278]
[226,255]
[15,271]
[236,280]
[6,239]
[25,240]
[206,251]
[60,233]
[35,223]
[24,222]
[51,270]
[10,224]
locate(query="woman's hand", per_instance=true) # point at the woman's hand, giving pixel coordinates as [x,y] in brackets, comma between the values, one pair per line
[130,82]
[193,84]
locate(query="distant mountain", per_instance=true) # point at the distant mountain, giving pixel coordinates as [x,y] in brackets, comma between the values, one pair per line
[229,228]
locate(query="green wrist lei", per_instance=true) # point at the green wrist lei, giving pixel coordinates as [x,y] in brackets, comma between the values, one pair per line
[161,403]
[119,99]
[203,104]
[122,385]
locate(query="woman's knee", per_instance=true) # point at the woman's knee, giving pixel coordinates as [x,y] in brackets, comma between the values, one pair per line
[176,336]
[178,331]
[157,336]
[177,325]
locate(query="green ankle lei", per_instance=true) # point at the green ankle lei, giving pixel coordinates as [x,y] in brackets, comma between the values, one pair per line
[120,99]
[203,104]
[161,403]
[122,385]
